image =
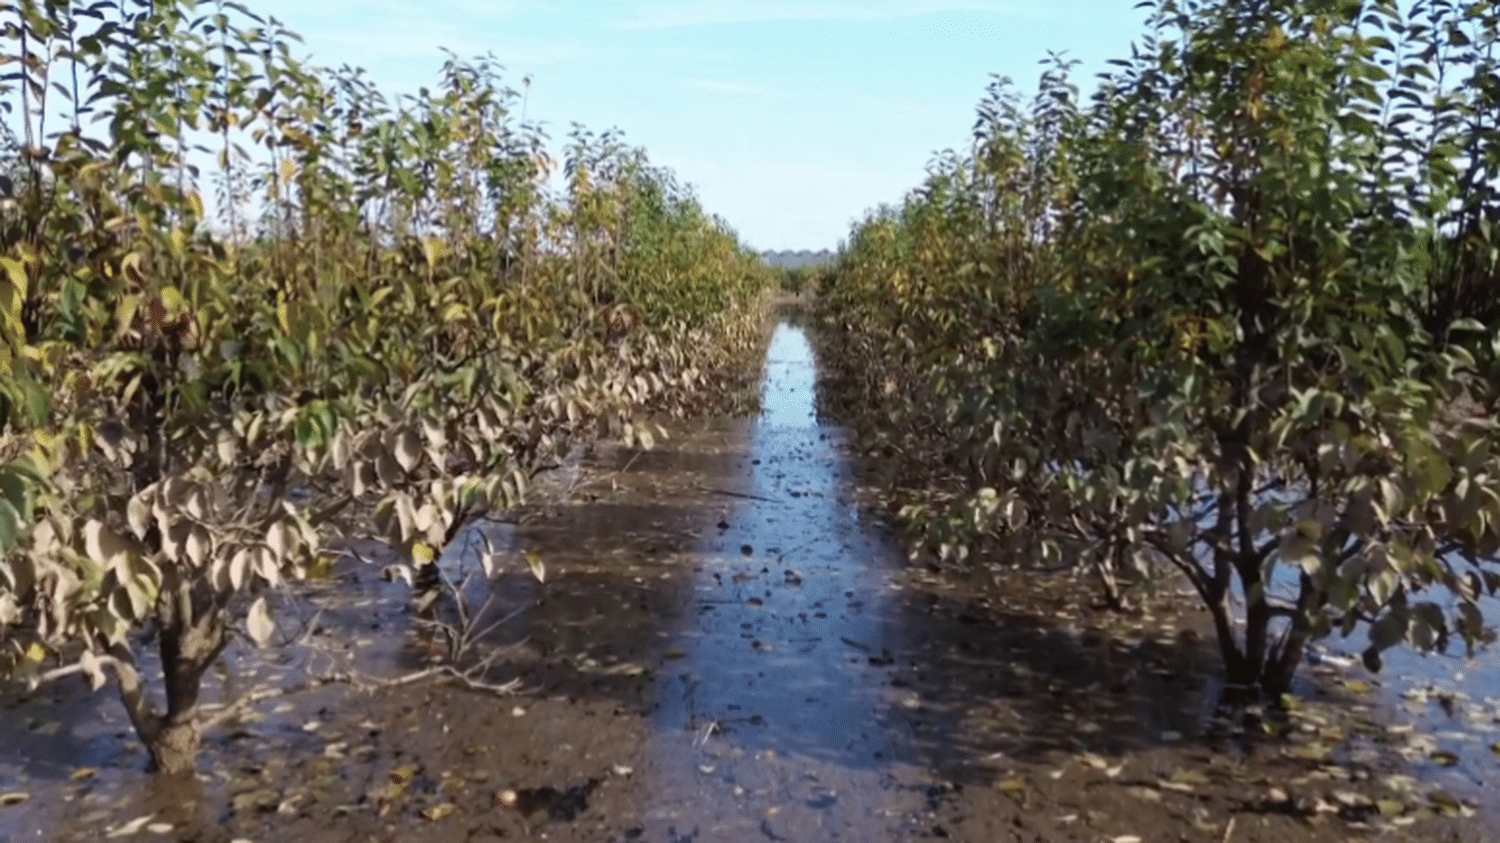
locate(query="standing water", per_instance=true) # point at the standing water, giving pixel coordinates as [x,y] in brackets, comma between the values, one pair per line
[768,722]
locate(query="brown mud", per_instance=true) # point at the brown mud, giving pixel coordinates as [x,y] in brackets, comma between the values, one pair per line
[727,646]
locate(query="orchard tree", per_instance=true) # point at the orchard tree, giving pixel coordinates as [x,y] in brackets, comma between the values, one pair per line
[1221,322]
[189,422]
[1291,436]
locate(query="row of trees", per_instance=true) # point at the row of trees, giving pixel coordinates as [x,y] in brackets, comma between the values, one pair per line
[396,319]
[1233,319]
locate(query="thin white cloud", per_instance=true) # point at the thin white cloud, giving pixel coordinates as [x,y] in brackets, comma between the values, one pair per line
[374,45]
[672,15]
[722,87]
[376,32]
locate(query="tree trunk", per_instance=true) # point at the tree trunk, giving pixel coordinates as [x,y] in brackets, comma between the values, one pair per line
[172,743]
[194,633]
[174,748]
[1281,669]
[1229,647]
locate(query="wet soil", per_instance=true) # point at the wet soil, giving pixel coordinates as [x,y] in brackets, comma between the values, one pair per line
[726,645]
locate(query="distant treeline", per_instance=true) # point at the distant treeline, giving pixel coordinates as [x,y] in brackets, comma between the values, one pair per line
[793,260]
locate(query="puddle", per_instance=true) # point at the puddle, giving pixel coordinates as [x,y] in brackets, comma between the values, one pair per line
[1445,708]
[769,712]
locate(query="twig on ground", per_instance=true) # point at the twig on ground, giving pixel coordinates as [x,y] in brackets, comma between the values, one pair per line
[855,644]
[745,495]
[708,731]
[219,714]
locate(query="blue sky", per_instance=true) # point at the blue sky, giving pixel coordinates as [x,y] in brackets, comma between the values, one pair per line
[791,117]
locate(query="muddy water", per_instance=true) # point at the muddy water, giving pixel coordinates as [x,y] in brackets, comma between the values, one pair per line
[1445,708]
[769,720]
[1442,708]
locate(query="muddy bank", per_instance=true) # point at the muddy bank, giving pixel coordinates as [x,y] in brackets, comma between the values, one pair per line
[727,646]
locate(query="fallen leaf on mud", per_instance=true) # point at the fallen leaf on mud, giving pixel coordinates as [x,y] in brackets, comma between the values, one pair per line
[1126,838]
[159,828]
[252,800]
[674,653]
[518,712]
[402,775]
[1350,798]
[83,773]
[1089,759]
[1307,752]
[1389,807]
[13,798]
[1145,793]
[1445,758]
[132,827]
[1446,803]
[622,770]
[1187,776]
[438,811]
[1013,784]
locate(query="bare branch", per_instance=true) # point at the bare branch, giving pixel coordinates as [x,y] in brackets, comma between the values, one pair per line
[217,715]
[128,681]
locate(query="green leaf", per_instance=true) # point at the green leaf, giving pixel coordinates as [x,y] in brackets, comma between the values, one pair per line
[11,526]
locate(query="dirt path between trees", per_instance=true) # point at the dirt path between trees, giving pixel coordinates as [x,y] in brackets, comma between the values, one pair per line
[727,646]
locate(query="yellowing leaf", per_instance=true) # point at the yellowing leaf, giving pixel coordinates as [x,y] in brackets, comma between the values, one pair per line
[138,514]
[259,624]
[408,449]
[102,546]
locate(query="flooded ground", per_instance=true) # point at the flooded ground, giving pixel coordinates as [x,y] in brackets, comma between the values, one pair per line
[726,646]
[1441,711]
